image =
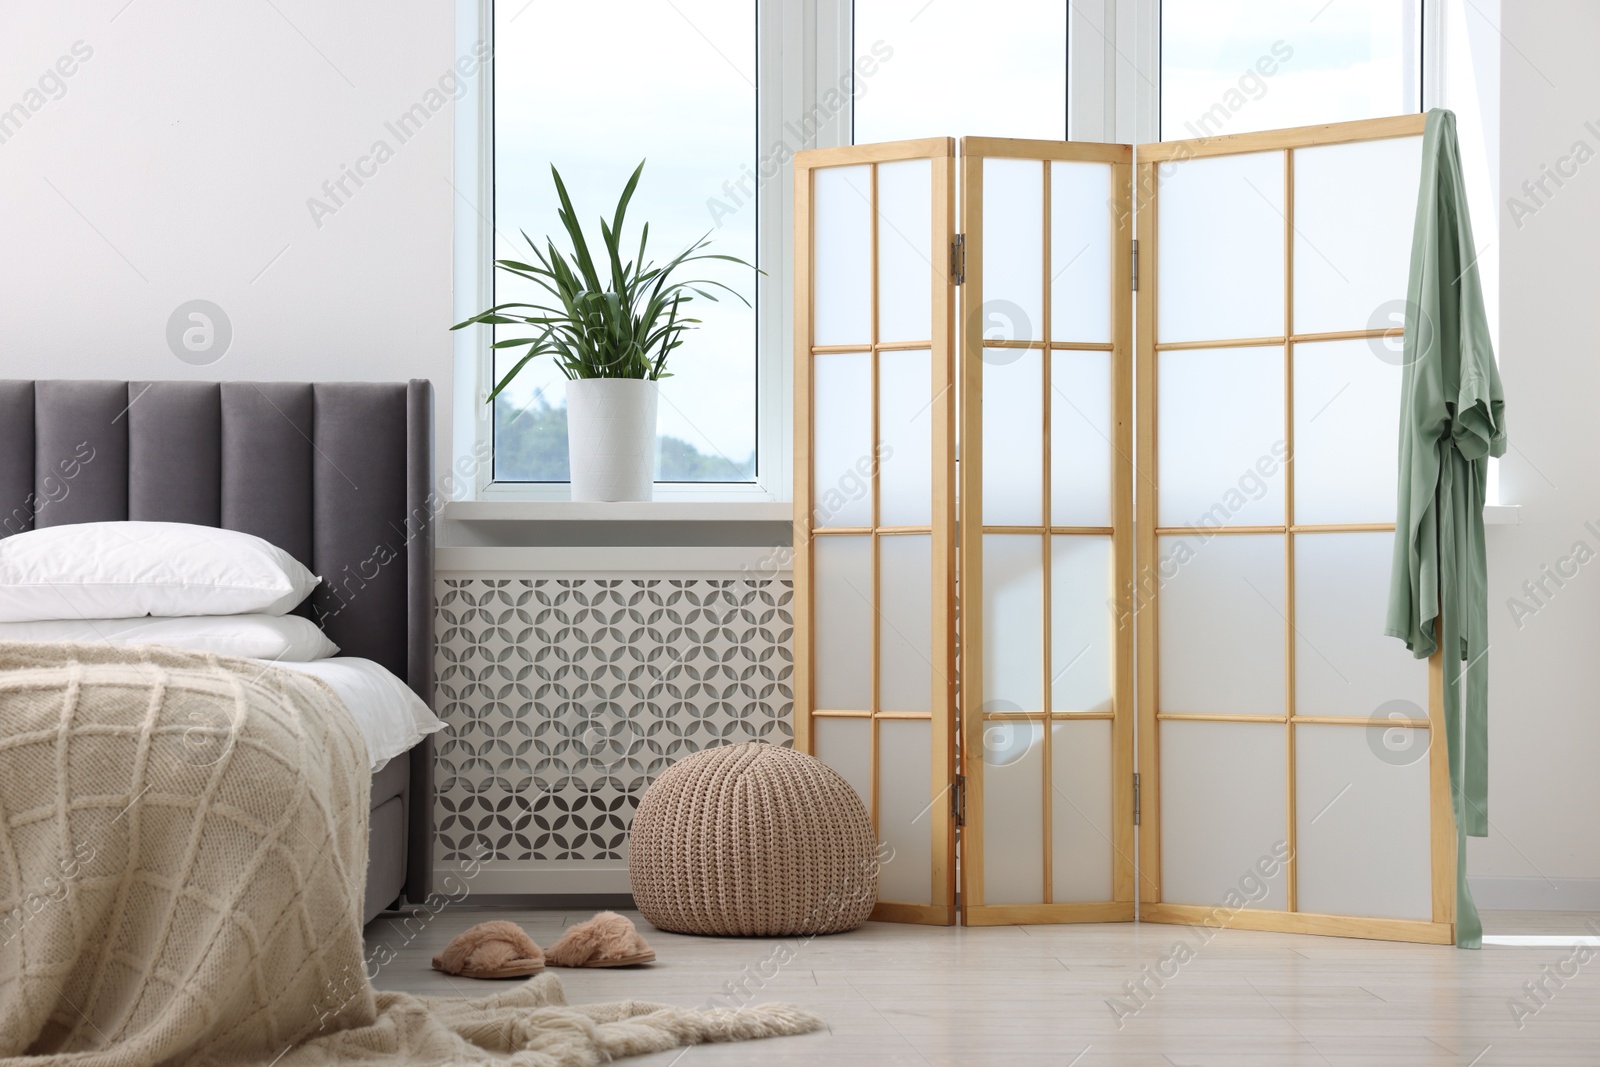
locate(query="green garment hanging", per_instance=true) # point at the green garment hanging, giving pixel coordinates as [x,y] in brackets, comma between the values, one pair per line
[1452,418]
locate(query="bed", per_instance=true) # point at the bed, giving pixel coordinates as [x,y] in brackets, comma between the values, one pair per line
[335,473]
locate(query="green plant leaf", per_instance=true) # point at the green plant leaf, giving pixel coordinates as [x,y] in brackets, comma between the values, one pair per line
[625,327]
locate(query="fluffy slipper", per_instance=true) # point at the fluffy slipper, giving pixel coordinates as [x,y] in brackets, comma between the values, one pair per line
[607,940]
[497,949]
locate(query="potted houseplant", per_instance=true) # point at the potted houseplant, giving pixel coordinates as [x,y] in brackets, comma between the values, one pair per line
[610,328]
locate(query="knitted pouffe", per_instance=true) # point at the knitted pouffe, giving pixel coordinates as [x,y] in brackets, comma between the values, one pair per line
[752,839]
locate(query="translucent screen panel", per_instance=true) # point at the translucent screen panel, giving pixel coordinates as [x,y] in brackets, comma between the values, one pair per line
[905,803]
[1220,446]
[1344,664]
[1362,813]
[905,622]
[846,746]
[1080,251]
[1013,437]
[1223,806]
[1219,262]
[1013,812]
[841,439]
[1221,621]
[905,437]
[1013,622]
[905,250]
[1080,817]
[841,288]
[842,585]
[1354,209]
[1082,623]
[1346,431]
[1080,438]
[1013,250]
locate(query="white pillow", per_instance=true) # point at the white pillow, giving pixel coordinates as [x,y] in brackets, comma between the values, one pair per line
[275,637]
[122,570]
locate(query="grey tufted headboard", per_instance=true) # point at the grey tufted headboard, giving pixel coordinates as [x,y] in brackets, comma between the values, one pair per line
[335,473]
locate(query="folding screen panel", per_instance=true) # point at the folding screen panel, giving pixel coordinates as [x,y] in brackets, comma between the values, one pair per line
[1283,742]
[874,562]
[1046,570]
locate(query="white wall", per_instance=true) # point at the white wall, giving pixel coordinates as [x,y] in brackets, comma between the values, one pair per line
[177,164]
[1544,787]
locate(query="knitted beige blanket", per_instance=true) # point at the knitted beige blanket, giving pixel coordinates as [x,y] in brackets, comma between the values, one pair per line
[182,851]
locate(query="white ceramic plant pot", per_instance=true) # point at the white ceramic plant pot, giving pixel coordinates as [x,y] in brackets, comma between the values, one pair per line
[611,438]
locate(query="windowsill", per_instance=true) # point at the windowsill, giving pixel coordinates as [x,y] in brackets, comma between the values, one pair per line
[618,511]
[707,511]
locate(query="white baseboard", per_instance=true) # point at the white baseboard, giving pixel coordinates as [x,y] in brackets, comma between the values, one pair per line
[1528,893]
[501,879]
[1491,893]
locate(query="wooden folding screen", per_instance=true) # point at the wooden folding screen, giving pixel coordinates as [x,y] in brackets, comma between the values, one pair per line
[1282,777]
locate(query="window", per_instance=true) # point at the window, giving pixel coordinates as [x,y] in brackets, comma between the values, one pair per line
[593,89]
[1231,66]
[998,69]
[716,95]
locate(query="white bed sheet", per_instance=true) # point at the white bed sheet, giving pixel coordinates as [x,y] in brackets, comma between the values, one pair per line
[392,718]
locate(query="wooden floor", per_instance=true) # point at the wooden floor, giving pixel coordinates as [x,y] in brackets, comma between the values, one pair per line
[1078,996]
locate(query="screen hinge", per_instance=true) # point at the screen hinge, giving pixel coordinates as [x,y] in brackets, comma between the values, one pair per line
[958,259]
[1135,260]
[958,800]
[1136,798]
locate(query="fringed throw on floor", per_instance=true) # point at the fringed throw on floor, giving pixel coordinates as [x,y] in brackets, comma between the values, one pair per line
[182,856]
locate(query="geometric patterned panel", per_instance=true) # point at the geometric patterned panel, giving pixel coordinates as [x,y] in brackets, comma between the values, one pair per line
[564,698]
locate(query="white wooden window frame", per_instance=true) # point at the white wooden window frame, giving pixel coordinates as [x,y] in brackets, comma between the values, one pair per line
[803,50]
[1114,64]
[1114,75]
